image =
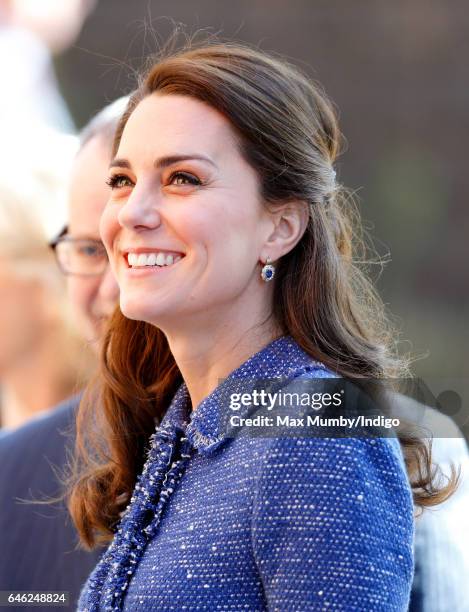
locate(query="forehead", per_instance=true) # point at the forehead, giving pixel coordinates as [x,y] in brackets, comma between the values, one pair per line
[167,124]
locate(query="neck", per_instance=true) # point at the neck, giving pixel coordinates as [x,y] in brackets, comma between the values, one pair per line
[33,383]
[205,354]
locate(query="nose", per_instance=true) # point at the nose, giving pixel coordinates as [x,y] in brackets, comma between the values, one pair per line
[140,211]
[108,291]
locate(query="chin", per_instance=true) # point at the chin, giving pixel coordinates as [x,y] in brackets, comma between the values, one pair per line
[138,311]
[131,311]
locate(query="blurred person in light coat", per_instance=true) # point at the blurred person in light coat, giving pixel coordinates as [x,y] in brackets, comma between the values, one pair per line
[38,542]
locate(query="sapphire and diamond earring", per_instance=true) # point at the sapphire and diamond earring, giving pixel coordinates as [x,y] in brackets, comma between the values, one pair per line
[268,271]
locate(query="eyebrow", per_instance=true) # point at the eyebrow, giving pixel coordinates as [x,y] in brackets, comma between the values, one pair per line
[163,162]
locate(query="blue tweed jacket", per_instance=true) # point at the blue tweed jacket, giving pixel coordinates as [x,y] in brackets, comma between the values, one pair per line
[250,523]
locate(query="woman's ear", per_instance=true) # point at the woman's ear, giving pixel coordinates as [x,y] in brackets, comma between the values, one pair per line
[290,222]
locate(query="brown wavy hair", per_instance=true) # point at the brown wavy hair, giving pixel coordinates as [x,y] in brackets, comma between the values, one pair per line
[288,132]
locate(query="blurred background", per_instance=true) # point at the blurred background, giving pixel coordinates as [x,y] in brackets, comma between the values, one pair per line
[397,73]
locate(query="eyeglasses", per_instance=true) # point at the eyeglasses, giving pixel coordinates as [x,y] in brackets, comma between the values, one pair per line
[80,256]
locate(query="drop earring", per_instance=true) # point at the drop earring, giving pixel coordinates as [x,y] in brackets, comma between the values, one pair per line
[268,271]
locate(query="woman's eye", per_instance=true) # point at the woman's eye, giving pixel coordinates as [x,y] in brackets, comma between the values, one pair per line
[118,181]
[184,178]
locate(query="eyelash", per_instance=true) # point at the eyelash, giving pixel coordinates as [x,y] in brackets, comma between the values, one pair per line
[191,178]
[113,181]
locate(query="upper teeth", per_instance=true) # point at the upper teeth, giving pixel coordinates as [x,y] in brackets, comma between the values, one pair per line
[151,259]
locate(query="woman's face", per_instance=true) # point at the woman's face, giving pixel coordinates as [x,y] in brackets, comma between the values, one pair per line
[184,227]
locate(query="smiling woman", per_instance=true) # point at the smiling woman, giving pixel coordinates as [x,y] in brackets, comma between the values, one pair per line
[232,245]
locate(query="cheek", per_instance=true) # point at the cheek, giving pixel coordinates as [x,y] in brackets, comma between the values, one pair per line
[228,247]
[233,238]
[216,225]
[82,293]
[109,226]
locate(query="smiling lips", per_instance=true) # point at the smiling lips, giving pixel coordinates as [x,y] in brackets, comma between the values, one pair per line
[152,259]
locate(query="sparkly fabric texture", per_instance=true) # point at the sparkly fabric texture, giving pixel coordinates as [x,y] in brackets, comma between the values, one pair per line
[256,524]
